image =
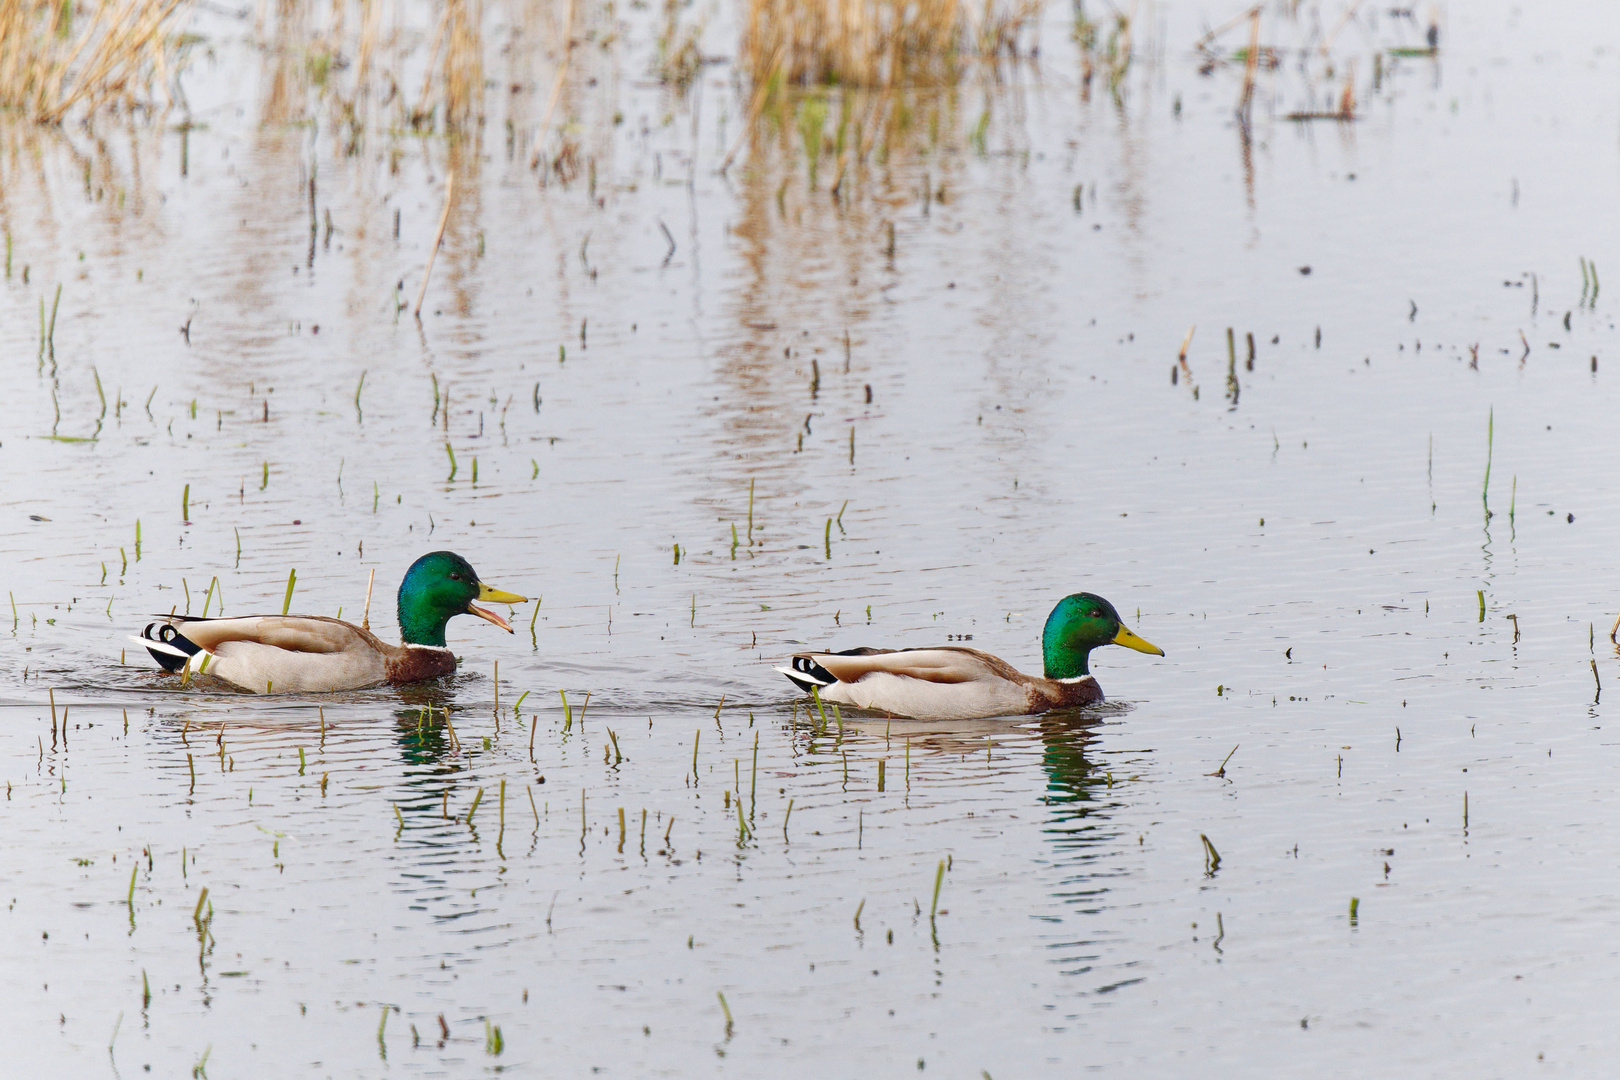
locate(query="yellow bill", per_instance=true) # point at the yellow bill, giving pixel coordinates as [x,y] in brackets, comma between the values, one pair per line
[495,596]
[1140,644]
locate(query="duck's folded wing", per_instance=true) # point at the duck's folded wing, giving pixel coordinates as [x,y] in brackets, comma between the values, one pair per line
[295,633]
[946,664]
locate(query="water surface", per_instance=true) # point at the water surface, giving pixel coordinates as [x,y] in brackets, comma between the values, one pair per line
[988,419]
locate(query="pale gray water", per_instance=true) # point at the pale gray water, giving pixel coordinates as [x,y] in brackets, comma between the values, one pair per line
[1023,441]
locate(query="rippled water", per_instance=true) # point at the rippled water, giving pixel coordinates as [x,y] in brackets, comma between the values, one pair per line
[1415,864]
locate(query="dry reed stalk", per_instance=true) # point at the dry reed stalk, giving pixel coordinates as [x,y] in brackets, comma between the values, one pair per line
[456,34]
[755,107]
[557,83]
[108,68]
[463,64]
[1347,97]
[421,110]
[866,136]
[1120,53]
[1210,36]
[433,253]
[1249,63]
[679,56]
[370,16]
[61,73]
[1344,20]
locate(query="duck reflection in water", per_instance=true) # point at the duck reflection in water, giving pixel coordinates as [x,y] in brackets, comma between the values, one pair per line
[1064,734]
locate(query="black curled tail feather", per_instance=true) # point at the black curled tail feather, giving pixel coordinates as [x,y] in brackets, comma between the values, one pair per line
[171,637]
[807,673]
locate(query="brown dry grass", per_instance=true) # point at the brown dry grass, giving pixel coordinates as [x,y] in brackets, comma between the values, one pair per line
[837,81]
[878,43]
[376,63]
[56,57]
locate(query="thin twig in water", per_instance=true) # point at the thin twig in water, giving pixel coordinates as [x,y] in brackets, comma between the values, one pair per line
[671,253]
[433,252]
[1221,771]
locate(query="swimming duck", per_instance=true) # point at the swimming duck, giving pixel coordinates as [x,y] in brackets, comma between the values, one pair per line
[950,682]
[312,653]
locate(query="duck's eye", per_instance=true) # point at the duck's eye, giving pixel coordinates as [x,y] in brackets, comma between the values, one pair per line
[455,575]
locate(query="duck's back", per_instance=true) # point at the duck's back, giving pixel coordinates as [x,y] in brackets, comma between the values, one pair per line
[290,653]
[942,683]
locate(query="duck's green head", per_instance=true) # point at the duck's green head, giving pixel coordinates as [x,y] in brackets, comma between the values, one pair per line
[1079,624]
[439,586]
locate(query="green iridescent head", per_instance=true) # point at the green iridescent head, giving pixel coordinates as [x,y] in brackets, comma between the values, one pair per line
[439,586]
[1079,624]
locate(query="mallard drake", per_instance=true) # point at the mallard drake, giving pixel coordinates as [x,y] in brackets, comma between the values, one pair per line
[312,653]
[950,682]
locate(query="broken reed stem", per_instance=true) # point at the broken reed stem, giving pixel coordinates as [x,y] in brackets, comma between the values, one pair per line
[1186,343]
[433,252]
[1249,64]
[365,616]
[727,1010]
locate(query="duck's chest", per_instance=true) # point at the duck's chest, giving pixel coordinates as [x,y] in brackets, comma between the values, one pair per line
[1064,693]
[416,663]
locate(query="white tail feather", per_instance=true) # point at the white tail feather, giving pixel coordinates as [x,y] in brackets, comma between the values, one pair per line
[160,646]
[803,680]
